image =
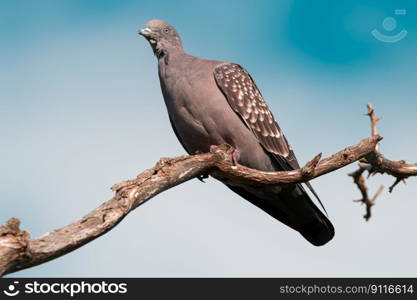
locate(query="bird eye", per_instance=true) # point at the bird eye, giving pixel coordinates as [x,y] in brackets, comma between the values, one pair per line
[166,30]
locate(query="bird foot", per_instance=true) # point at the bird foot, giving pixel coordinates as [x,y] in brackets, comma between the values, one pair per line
[235,153]
[213,148]
[202,177]
[235,156]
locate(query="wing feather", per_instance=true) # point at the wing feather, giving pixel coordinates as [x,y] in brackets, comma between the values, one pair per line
[246,100]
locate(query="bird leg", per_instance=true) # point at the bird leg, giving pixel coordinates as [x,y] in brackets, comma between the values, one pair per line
[235,156]
[201,177]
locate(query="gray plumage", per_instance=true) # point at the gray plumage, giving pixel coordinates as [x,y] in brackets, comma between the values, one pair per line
[215,102]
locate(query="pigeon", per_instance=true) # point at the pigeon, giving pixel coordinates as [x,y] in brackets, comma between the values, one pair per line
[211,102]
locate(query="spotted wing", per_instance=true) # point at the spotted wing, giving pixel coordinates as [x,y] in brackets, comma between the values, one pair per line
[246,100]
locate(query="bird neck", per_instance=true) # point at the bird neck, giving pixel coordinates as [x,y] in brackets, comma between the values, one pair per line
[168,52]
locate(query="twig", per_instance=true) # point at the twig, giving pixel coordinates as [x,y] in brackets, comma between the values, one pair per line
[375,163]
[398,169]
[359,180]
[374,120]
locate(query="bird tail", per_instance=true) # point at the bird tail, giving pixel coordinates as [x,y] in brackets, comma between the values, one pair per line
[293,207]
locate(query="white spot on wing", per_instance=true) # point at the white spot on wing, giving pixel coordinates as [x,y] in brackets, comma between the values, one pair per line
[240,95]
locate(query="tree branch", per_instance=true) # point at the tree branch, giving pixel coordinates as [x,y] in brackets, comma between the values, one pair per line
[359,180]
[399,169]
[375,163]
[18,251]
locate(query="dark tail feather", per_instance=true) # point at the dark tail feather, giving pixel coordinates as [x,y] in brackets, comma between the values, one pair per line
[310,187]
[293,207]
[317,232]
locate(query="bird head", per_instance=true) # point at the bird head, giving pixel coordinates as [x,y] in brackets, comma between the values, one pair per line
[161,36]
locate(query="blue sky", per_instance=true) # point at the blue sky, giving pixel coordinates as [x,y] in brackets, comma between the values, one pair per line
[81,109]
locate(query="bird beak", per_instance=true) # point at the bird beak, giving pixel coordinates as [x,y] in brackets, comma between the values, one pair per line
[146,32]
